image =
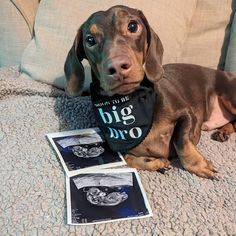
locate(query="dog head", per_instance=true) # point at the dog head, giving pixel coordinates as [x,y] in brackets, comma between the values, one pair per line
[121,48]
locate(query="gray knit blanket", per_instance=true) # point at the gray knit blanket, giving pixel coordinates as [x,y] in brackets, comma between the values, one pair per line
[32,186]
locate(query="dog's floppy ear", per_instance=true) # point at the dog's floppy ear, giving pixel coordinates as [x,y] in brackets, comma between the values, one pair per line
[73,68]
[153,59]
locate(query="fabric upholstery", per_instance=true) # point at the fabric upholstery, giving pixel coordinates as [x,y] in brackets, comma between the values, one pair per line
[208,34]
[16,29]
[33,199]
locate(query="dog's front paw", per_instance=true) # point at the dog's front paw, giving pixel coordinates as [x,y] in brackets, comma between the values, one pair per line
[204,169]
[147,163]
[161,165]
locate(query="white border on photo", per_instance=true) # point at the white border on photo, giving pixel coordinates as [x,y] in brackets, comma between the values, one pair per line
[124,170]
[95,130]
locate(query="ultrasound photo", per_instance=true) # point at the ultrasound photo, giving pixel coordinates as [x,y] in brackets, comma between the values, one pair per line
[83,149]
[106,195]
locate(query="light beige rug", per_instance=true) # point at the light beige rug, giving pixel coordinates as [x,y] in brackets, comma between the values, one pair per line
[32,181]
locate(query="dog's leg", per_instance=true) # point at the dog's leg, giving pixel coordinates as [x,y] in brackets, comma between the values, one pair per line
[147,163]
[191,159]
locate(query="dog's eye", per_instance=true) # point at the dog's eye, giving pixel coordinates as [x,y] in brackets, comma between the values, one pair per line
[90,40]
[133,27]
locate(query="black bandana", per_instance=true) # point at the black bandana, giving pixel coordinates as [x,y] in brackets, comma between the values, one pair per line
[125,120]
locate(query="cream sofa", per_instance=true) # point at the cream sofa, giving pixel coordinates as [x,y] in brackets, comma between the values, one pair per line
[36,38]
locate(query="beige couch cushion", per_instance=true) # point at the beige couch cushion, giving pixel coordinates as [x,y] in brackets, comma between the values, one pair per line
[57,23]
[16,29]
[170,20]
[208,35]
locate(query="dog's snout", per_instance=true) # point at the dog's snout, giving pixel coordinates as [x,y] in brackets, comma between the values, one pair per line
[118,66]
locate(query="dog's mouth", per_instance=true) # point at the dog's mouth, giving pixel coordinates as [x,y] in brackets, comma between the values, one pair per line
[124,88]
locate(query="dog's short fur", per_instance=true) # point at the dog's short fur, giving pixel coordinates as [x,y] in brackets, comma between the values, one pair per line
[121,48]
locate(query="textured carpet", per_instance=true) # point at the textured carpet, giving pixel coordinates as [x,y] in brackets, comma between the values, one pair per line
[32,196]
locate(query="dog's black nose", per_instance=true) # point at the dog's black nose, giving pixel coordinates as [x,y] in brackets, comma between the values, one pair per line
[119,66]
